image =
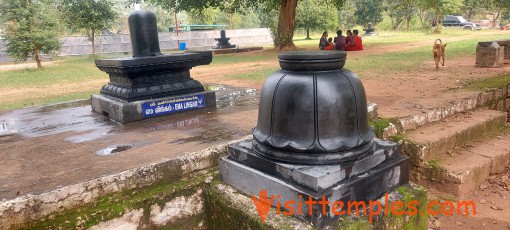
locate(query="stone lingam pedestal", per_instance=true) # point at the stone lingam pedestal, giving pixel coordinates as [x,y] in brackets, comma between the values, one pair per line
[150,84]
[370,30]
[223,41]
[313,142]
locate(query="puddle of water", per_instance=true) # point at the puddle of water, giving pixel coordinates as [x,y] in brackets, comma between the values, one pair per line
[78,118]
[65,105]
[214,87]
[209,135]
[114,149]
[6,127]
[88,136]
[55,119]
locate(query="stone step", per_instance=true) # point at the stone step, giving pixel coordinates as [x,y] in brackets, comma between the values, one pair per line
[494,99]
[428,142]
[464,169]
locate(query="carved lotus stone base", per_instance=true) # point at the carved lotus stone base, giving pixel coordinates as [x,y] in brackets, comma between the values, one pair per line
[364,180]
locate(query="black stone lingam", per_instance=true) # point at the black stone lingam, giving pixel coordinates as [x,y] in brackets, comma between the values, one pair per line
[312,139]
[223,41]
[150,83]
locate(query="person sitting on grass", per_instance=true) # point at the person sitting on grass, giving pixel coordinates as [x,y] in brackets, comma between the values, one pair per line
[339,41]
[324,44]
[358,43]
[350,43]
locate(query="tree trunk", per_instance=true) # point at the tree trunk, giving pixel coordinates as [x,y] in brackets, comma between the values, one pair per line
[393,26]
[308,34]
[230,20]
[286,22]
[176,25]
[408,21]
[437,30]
[37,58]
[494,19]
[93,43]
[422,20]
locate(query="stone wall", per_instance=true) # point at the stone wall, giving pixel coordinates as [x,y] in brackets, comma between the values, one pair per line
[120,43]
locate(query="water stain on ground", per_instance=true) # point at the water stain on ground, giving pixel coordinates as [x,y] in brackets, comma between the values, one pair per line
[65,143]
[113,150]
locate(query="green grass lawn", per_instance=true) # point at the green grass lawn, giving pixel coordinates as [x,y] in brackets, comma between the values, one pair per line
[82,69]
[249,57]
[70,70]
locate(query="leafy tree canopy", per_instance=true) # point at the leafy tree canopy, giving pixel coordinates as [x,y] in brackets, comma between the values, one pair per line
[92,16]
[311,14]
[88,15]
[368,11]
[31,27]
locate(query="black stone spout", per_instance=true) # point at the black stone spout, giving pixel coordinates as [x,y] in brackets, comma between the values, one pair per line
[313,111]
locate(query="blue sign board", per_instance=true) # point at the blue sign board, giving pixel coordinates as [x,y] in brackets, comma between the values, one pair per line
[157,108]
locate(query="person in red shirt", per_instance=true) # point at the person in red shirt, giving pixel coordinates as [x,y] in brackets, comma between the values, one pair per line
[358,43]
[349,41]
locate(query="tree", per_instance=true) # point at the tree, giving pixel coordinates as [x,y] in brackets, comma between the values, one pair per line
[472,7]
[284,32]
[92,16]
[368,11]
[400,11]
[203,16]
[32,28]
[346,14]
[496,7]
[314,14]
[440,7]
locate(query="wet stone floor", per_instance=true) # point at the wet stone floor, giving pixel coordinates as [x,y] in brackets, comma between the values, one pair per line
[44,148]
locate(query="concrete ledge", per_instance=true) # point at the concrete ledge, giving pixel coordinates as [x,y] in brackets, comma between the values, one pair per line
[427,143]
[33,207]
[477,100]
[236,50]
[465,170]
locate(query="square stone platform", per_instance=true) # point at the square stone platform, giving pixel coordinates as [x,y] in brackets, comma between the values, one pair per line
[125,112]
[364,180]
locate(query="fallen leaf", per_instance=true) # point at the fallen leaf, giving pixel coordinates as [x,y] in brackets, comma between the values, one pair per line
[496,207]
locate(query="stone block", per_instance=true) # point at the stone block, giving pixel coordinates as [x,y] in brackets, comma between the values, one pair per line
[372,110]
[501,106]
[487,54]
[368,186]
[313,177]
[125,112]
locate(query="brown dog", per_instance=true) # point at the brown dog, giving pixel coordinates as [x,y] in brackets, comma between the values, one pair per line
[438,51]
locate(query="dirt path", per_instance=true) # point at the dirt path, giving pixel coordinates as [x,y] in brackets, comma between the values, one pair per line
[398,94]
[492,207]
